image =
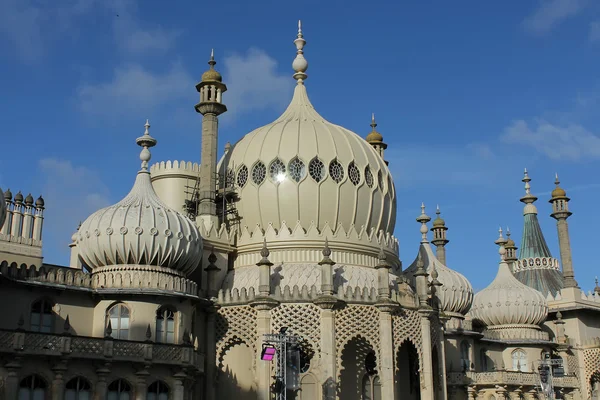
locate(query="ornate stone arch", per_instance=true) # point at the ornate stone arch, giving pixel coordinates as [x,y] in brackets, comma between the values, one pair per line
[236,321]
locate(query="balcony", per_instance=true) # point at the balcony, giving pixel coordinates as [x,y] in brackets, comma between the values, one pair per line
[506,378]
[106,349]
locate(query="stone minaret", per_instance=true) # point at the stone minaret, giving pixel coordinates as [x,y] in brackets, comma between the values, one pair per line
[375,139]
[511,249]
[560,212]
[439,237]
[211,90]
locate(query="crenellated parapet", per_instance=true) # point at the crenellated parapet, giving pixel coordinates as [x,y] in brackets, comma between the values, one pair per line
[295,294]
[175,182]
[299,244]
[174,167]
[139,279]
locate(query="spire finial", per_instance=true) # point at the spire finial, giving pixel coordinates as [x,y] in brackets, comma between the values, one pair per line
[212,61]
[526,180]
[373,123]
[423,219]
[502,252]
[437,210]
[300,65]
[146,141]
[264,252]
[501,241]
[326,254]
[556,181]
[528,199]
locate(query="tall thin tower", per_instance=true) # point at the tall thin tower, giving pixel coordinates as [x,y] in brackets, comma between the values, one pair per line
[211,89]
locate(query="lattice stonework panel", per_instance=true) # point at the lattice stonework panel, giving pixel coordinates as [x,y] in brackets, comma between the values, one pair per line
[235,324]
[406,325]
[591,360]
[302,319]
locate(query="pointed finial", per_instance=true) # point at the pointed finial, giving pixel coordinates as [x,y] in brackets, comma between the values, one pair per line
[597,288]
[373,123]
[212,54]
[326,255]
[67,324]
[502,252]
[556,181]
[108,332]
[264,252]
[146,141]
[423,219]
[437,209]
[148,332]
[300,65]
[501,241]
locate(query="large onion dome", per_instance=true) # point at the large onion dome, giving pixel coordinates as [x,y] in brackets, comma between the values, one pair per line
[2,209]
[508,302]
[303,168]
[140,229]
[456,293]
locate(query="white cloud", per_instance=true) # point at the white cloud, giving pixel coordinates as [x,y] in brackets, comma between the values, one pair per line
[595,31]
[551,13]
[570,142]
[254,83]
[71,193]
[135,89]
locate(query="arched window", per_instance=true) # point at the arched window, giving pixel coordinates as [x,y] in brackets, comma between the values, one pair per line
[42,316]
[119,390]
[465,359]
[118,315]
[165,325]
[519,360]
[158,391]
[32,388]
[78,388]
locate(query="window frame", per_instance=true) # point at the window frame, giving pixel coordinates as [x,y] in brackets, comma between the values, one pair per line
[162,335]
[117,330]
[43,301]
[517,365]
[31,387]
[158,392]
[78,390]
[119,392]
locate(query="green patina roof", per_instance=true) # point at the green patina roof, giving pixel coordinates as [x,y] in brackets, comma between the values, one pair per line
[533,243]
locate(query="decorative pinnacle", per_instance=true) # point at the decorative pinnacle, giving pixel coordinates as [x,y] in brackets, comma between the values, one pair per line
[502,252]
[434,276]
[300,65]
[597,288]
[382,258]
[423,219]
[264,252]
[373,123]
[146,141]
[556,181]
[501,241]
[528,198]
[326,255]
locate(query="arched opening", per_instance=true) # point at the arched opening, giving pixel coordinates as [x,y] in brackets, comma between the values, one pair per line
[119,390]
[158,390]
[309,388]
[519,360]
[407,377]
[42,316]
[165,325]
[118,315]
[359,361]
[33,387]
[236,375]
[78,388]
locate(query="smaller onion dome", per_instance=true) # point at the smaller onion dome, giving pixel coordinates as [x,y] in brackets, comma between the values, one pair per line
[2,208]
[455,293]
[438,222]
[8,195]
[507,301]
[19,197]
[558,191]
[39,203]
[29,200]
[212,75]
[140,229]
[374,137]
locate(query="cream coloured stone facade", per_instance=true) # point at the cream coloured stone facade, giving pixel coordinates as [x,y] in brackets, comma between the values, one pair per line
[168,293]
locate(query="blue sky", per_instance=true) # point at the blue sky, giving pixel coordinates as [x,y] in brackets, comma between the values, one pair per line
[466,95]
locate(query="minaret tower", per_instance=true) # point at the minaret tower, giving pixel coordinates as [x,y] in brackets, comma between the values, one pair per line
[211,89]
[560,212]
[439,237]
[375,138]
[511,249]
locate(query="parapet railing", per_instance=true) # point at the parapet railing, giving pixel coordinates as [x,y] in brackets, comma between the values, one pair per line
[507,378]
[107,349]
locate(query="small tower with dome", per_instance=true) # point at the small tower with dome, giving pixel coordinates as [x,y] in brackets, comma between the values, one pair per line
[375,139]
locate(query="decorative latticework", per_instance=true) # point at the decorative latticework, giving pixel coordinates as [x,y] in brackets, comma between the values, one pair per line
[40,341]
[277,170]
[235,325]
[167,353]
[591,360]
[354,173]
[87,346]
[129,349]
[355,321]
[6,340]
[242,176]
[297,169]
[303,320]
[336,171]
[406,325]
[316,169]
[368,176]
[259,172]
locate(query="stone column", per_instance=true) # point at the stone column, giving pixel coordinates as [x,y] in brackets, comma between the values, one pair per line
[471,392]
[141,384]
[386,356]
[427,389]
[178,389]
[11,384]
[211,354]
[208,168]
[58,384]
[263,327]
[101,385]
[328,349]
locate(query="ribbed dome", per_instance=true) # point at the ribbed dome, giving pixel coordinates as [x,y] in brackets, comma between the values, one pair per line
[456,292]
[506,301]
[2,209]
[140,229]
[303,168]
